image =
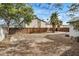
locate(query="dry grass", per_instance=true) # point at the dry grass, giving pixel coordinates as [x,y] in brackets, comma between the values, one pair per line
[39,45]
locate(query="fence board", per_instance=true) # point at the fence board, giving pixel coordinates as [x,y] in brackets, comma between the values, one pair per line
[34,30]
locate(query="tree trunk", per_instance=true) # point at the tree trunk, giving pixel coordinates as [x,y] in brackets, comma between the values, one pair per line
[8,23]
[7,37]
[58,28]
[53,30]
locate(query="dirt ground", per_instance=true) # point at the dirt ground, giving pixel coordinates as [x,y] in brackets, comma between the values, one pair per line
[42,44]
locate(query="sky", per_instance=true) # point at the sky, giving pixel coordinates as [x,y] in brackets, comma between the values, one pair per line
[44,11]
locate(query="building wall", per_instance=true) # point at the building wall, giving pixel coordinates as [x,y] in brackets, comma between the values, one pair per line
[73,32]
[43,24]
[49,26]
[64,26]
[37,24]
[33,24]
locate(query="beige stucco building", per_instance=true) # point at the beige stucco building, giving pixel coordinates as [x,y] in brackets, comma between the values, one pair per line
[38,24]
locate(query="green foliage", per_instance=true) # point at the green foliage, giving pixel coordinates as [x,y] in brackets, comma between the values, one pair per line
[54,18]
[55,21]
[7,11]
[15,11]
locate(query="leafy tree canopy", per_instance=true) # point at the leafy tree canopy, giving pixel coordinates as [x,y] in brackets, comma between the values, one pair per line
[15,11]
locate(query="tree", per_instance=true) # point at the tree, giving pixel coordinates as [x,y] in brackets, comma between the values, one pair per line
[59,24]
[74,7]
[53,20]
[15,11]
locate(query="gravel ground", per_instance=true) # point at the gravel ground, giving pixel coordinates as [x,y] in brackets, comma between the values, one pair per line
[43,44]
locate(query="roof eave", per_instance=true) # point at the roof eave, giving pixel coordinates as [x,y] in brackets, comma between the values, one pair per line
[73,21]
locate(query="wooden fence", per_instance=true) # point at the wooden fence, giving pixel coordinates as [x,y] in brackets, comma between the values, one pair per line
[35,30]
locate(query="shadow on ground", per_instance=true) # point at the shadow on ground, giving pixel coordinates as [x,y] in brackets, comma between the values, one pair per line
[58,45]
[74,49]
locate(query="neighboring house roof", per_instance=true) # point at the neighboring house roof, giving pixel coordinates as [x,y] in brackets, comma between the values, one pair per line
[44,21]
[75,19]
